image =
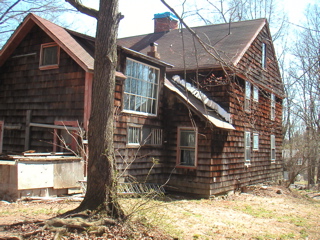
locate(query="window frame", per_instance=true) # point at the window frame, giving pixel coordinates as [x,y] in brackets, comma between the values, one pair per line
[179,147]
[272,106]
[42,50]
[154,99]
[247,97]
[264,55]
[134,144]
[255,94]
[255,141]
[247,146]
[273,148]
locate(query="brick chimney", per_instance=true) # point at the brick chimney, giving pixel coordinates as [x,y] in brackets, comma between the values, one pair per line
[164,22]
[154,50]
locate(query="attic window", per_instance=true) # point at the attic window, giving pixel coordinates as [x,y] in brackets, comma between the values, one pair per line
[49,56]
[264,56]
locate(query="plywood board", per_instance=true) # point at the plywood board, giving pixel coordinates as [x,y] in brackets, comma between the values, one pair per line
[35,175]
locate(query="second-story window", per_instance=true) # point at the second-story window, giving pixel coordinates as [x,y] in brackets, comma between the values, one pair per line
[247,103]
[255,94]
[141,88]
[273,107]
[49,56]
[264,56]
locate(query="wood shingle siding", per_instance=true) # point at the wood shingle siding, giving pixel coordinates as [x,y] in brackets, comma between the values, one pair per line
[51,95]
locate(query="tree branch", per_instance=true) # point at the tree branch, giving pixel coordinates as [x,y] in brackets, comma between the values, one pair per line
[81,8]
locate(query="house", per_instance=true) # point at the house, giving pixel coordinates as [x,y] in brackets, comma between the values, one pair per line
[201,121]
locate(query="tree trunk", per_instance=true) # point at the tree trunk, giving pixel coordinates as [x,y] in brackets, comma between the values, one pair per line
[101,183]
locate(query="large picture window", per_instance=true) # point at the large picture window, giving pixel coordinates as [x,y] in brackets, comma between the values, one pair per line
[141,88]
[187,147]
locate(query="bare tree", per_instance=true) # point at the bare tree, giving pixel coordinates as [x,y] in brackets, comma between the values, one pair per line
[12,13]
[305,79]
[101,184]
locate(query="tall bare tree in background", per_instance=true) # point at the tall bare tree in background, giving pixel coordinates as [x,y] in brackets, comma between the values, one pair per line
[305,81]
[12,13]
[224,11]
[101,191]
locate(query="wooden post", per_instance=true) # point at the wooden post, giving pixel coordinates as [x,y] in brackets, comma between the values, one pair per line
[27,134]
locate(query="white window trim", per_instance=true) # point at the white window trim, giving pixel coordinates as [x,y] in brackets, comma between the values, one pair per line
[247,101]
[247,147]
[273,147]
[264,56]
[255,94]
[157,97]
[255,144]
[140,138]
[195,147]
[272,106]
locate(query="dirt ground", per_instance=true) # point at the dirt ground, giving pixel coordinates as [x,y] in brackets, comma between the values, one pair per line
[263,212]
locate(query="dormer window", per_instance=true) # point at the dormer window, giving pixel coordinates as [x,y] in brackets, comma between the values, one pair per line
[264,56]
[49,56]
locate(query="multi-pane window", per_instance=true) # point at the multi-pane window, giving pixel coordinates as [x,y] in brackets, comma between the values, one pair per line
[273,148]
[187,147]
[49,56]
[273,106]
[144,135]
[255,94]
[134,135]
[247,102]
[141,88]
[247,143]
[255,141]
[152,136]
[264,56]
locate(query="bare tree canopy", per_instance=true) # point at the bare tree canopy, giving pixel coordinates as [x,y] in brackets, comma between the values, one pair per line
[12,13]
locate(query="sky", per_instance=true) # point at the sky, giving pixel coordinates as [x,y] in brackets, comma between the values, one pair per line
[138,15]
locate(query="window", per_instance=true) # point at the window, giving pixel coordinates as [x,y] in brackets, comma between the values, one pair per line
[49,56]
[134,135]
[65,138]
[273,148]
[255,94]
[187,147]
[247,102]
[255,141]
[299,161]
[264,56]
[152,136]
[247,143]
[273,106]
[141,88]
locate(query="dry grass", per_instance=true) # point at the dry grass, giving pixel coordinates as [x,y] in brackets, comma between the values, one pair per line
[261,214]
